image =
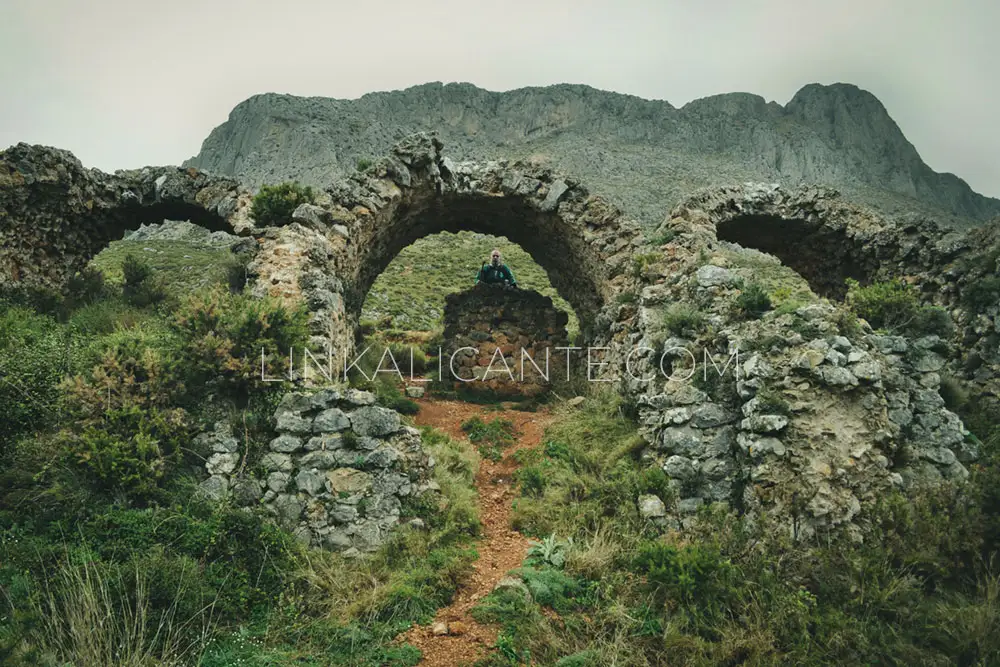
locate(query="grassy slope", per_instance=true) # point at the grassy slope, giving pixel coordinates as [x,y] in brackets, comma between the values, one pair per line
[605,587]
[413,287]
[411,290]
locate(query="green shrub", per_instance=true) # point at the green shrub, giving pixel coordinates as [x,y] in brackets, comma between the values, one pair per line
[681,319]
[532,480]
[753,301]
[409,358]
[227,337]
[274,204]
[141,288]
[132,371]
[490,438]
[981,294]
[696,576]
[663,237]
[131,450]
[933,321]
[405,406]
[956,396]
[895,306]
[624,298]
[642,262]
[550,586]
[890,305]
[34,355]
[363,164]
[237,273]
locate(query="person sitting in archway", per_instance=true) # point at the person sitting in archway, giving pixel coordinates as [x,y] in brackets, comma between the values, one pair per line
[495,272]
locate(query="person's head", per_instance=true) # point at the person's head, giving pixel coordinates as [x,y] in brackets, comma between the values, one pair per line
[495,257]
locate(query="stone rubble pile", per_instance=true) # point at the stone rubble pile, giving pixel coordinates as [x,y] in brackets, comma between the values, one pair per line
[335,476]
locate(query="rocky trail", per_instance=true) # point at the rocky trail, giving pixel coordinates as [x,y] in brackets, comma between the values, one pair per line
[454,638]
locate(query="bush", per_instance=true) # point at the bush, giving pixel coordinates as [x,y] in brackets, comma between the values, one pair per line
[642,262]
[225,337]
[933,321]
[363,164]
[890,305]
[131,450]
[753,301]
[490,438]
[141,288]
[663,237]
[697,576]
[34,354]
[409,358]
[681,319]
[274,204]
[133,370]
[981,294]
[237,274]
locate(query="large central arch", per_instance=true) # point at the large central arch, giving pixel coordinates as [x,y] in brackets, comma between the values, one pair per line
[333,251]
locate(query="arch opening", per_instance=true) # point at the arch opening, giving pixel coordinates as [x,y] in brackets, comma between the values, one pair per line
[410,295]
[563,254]
[825,257]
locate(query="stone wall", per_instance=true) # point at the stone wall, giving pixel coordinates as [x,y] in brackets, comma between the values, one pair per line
[815,416]
[826,418]
[55,215]
[506,330]
[336,474]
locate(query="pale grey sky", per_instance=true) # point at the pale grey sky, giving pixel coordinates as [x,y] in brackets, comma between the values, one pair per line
[126,83]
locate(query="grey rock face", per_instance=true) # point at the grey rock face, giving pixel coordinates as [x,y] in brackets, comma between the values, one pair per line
[714,276]
[220,439]
[352,473]
[331,421]
[651,507]
[374,421]
[837,135]
[222,464]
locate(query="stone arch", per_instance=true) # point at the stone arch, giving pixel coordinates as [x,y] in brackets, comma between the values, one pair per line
[55,215]
[582,242]
[574,272]
[810,230]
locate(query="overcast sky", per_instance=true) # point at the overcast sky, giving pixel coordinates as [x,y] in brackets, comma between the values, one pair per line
[126,83]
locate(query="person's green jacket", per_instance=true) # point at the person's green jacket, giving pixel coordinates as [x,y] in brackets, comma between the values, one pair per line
[494,275]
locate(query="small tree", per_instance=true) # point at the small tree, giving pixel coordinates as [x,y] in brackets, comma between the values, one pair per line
[274,204]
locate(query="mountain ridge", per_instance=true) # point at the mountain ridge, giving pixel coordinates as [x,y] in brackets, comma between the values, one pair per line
[645,155]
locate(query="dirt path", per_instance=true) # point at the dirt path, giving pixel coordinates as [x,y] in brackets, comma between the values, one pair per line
[500,548]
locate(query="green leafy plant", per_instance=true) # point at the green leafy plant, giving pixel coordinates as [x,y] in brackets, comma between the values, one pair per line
[753,301]
[681,319]
[227,338]
[274,204]
[141,287]
[550,551]
[130,449]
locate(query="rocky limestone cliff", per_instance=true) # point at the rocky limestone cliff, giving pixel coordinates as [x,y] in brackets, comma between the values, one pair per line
[646,154]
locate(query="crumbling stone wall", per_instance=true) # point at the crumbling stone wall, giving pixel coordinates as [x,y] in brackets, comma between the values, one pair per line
[498,336]
[55,215]
[336,475]
[815,415]
[824,419]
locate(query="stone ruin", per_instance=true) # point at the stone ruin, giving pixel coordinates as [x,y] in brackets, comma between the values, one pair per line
[825,416]
[502,341]
[335,476]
